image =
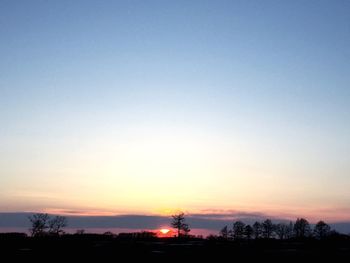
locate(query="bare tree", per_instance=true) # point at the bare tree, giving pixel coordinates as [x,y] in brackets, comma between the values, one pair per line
[80,232]
[248,232]
[257,230]
[186,229]
[267,228]
[224,232]
[39,224]
[238,230]
[301,228]
[57,224]
[290,230]
[281,231]
[179,223]
[322,230]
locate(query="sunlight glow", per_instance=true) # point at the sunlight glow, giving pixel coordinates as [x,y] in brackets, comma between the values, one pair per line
[164,231]
[145,118]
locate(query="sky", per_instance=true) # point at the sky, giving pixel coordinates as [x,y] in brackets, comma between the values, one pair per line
[153,107]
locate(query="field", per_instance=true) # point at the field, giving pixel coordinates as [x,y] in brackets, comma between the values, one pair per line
[106,247]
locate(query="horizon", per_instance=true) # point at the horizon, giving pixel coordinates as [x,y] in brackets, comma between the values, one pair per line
[206,107]
[200,224]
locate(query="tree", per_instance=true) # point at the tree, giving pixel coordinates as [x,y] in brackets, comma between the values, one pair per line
[186,229]
[322,230]
[80,232]
[224,232]
[290,230]
[108,234]
[267,228]
[57,224]
[301,228]
[238,230]
[39,224]
[145,235]
[257,230]
[248,232]
[179,223]
[281,230]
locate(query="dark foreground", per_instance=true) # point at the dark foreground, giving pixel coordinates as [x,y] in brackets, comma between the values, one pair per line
[103,247]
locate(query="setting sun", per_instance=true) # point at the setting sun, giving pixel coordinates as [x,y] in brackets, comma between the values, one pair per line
[164,231]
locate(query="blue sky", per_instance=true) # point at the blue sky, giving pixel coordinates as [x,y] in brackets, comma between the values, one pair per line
[111,96]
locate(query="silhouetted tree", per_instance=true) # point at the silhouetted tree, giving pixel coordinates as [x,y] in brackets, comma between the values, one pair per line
[39,224]
[301,228]
[267,228]
[238,230]
[57,224]
[80,232]
[212,237]
[108,233]
[186,229]
[281,231]
[335,234]
[145,235]
[322,230]
[289,233]
[248,232]
[179,223]
[224,232]
[257,230]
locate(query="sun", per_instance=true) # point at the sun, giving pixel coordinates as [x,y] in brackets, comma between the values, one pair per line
[164,231]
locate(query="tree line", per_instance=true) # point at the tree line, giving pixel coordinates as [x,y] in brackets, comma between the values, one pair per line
[301,228]
[43,225]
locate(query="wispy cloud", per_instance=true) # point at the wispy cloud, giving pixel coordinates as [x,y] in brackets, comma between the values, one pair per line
[229,215]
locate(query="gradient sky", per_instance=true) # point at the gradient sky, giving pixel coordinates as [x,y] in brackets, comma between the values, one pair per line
[155,106]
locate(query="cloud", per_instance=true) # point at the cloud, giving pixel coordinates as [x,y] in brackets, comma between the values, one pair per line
[230,215]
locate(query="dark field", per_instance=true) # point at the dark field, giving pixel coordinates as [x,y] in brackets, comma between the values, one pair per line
[104,248]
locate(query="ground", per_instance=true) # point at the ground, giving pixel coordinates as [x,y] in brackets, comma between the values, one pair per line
[104,247]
